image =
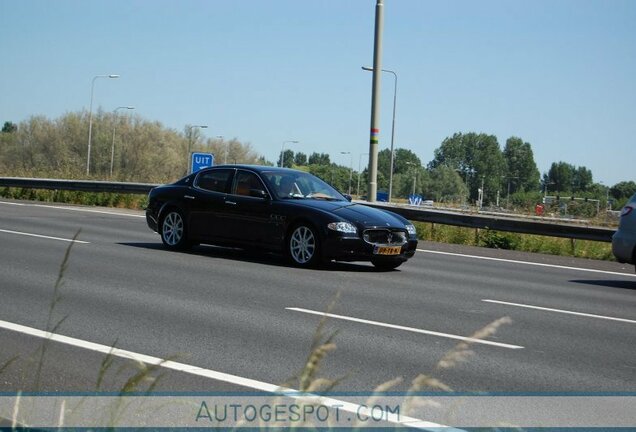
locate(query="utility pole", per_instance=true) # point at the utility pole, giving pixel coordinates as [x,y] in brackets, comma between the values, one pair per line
[375,103]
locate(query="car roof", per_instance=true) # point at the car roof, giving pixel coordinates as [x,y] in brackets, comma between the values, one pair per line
[258,168]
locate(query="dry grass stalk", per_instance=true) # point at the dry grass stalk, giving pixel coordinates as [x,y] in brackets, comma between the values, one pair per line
[57,297]
[462,350]
[320,347]
[8,363]
[377,393]
[459,354]
[16,411]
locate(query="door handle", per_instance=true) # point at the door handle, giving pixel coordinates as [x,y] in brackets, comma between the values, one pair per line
[230,202]
[188,197]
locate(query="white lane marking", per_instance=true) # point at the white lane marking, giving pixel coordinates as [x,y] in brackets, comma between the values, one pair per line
[79,209]
[43,236]
[411,329]
[215,375]
[527,263]
[560,311]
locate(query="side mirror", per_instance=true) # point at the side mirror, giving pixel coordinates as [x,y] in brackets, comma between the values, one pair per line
[348,197]
[259,193]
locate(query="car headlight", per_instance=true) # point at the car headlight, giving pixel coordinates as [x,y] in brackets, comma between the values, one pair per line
[411,229]
[343,227]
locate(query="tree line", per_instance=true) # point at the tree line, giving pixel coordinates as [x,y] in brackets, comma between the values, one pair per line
[512,172]
[464,164]
[144,151]
[467,163]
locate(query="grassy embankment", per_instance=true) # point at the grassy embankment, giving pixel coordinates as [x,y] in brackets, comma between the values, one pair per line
[514,241]
[103,199]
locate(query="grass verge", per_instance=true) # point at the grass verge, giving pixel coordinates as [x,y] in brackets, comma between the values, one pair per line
[514,241]
[102,199]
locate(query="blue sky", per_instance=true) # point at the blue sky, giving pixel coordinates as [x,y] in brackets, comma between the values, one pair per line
[558,73]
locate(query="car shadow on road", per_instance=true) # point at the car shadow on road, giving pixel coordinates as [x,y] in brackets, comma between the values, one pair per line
[624,284]
[258,257]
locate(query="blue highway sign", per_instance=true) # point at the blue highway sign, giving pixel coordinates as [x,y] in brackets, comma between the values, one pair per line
[200,161]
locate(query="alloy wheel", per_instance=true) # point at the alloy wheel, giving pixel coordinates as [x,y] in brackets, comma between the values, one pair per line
[302,245]
[173,229]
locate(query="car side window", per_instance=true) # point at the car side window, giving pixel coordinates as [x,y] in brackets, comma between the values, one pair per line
[214,180]
[247,183]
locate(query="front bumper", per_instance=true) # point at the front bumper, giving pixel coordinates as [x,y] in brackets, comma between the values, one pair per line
[623,247]
[151,220]
[342,248]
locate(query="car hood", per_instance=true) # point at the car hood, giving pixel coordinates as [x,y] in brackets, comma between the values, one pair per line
[358,214]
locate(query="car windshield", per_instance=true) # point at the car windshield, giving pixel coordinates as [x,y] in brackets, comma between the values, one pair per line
[300,185]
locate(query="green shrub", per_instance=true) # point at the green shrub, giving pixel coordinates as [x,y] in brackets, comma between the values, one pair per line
[499,240]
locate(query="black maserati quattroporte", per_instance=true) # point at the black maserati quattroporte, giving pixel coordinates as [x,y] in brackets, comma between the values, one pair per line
[278,209]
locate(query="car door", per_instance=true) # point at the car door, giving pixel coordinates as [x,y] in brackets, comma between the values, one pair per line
[249,210]
[207,202]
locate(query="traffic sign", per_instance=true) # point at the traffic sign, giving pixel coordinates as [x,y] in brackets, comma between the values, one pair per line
[200,161]
[415,199]
[382,196]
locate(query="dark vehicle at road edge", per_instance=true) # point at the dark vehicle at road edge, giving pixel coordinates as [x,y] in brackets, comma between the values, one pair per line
[624,239]
[280,210]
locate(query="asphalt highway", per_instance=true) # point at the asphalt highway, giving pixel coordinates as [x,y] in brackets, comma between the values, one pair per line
[250,315]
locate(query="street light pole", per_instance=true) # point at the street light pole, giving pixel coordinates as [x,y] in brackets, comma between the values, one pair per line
[467,196]
[282,151]
[227,148]
[112,147]
[190,127]
[414,174]
[508,193]
[360,172]
[607,191]
[90,120]
[392,125]
[350,169]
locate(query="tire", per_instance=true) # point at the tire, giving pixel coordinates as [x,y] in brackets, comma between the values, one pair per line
[174,231]
[386,264]
[303,246]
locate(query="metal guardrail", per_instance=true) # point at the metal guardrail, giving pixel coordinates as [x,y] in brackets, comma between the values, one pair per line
[509,224]
[502,223]
[76,185]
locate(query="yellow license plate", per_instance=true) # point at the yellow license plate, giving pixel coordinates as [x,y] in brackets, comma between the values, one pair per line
[387,250]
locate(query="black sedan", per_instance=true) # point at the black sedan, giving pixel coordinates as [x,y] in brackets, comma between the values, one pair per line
[277,209]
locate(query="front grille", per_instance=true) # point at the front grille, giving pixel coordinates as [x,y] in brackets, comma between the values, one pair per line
[384,237]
